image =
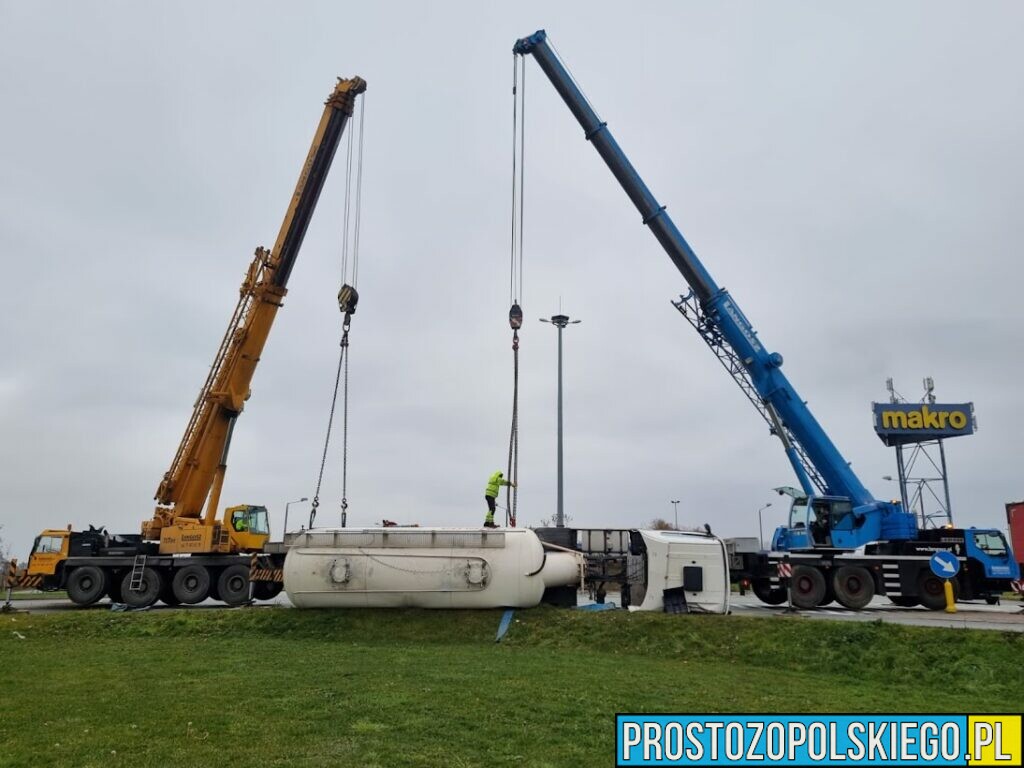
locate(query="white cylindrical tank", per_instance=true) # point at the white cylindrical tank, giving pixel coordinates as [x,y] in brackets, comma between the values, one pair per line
[423,568]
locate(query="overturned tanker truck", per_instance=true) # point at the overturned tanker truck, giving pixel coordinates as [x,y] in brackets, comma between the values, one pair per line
[510,567]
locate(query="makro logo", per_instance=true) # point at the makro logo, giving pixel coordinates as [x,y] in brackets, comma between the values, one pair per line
[902,423]
[925,418]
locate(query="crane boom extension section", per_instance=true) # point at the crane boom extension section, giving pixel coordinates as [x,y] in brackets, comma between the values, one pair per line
[856,517]
[197,471]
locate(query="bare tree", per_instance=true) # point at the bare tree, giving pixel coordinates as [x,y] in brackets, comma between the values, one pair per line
[659,524]
[5,554]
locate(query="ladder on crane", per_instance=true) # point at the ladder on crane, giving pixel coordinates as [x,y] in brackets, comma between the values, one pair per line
[138,569]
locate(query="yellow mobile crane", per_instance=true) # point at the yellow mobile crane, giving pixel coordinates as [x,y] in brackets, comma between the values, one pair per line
[140,569]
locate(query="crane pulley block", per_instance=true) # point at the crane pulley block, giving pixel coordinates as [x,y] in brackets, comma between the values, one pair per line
[348,297]
[515,317]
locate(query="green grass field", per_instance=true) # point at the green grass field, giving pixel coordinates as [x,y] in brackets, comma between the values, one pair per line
[274,687]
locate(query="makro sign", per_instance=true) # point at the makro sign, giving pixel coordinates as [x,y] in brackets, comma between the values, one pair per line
[900,423]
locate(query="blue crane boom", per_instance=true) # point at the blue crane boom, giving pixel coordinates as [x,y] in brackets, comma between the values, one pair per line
[847,515]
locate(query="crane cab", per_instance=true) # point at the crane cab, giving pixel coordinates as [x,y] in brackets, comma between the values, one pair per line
[243,528]
[833,522]
[811,520]
[49,550]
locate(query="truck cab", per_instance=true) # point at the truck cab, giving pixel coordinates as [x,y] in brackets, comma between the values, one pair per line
[989,548]
[49,551]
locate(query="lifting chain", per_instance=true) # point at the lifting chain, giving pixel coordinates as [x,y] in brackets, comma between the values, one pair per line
[515,320]
[515,314]
[347,300]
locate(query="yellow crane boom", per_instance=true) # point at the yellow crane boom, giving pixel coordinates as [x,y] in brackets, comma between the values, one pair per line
[196,474]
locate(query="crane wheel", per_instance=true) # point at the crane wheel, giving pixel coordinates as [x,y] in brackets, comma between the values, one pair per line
[233,584]
[86,585]
[148,592]
[266,590]
[931,591]
[854,587]
[764,592]
[191,584]
[807,586]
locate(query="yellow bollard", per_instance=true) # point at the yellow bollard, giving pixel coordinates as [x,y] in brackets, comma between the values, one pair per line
[950,602]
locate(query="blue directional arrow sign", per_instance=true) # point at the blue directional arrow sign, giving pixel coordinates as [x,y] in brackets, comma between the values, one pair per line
[944,564]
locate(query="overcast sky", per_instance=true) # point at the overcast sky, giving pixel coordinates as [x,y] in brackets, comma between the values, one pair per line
[851,173]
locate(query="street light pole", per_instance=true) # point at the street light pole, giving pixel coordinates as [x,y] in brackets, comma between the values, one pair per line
[297,501]
[560,322]
[675,512]
[760,525]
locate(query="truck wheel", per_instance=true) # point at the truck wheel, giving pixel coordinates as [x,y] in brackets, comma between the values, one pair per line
[148,592]
[192,584]
[932,592]
[266,590]
[233,584]
[808,587]
[86,585]
[766,594]
[854,587]
[904,601]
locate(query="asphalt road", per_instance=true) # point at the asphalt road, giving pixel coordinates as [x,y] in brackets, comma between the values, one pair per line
[1008,617]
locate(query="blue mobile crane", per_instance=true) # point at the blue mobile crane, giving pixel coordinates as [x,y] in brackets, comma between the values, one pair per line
[832,514]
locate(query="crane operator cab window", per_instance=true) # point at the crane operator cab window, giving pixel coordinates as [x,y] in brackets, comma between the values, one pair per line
[991,543]
[250,520]
[818,517]
[48,545]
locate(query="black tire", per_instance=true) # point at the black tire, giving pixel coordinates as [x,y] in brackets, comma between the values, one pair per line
[767,594]
[807,586]
[192,584]
[904,601]
[992,599]
[932,592]
[266,590]
[233,584]
[149,592]
[854,587]
[86,584]
[830,594]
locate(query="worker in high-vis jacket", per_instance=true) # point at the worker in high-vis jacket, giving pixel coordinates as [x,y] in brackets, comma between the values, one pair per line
[491,494]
